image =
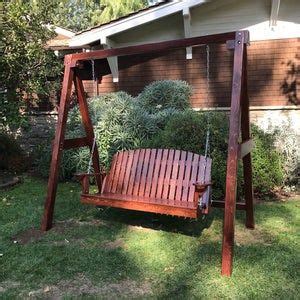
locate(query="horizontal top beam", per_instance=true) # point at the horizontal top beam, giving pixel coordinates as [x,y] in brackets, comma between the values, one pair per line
[221,38]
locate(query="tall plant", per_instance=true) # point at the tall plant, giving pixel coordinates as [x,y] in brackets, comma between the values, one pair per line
[29,70]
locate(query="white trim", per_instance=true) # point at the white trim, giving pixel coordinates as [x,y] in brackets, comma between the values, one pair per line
[60,30]
[252,108]
[133,21]
[113,60]
[274,12]
[187,29]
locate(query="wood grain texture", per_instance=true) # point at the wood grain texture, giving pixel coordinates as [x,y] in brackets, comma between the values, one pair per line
[151,176]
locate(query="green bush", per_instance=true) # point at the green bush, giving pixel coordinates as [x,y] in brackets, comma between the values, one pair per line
[124,122]
[12,157]
[159,95]
[187,131]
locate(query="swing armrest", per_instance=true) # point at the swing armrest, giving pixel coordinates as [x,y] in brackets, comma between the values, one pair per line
[201,187]
[84,180]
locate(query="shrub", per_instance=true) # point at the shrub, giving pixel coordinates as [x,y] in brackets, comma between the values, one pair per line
[12,157]
[190,136]
[159,95]
[268,171]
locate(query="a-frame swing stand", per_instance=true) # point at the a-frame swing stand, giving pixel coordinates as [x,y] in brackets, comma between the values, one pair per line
[239,143]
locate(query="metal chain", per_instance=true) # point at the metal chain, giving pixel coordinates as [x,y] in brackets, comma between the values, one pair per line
[207,140]
[95,134]
[207,144]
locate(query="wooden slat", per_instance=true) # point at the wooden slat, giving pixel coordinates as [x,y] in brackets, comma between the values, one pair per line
[141,206]
[174,175]
[162,172]
[108,182]
[122,172]
[115,179]
[127,172]
[187,177]
[133,172]
[181,175]
[145,162]
[149,180]
[139,168]
[156,173]
[166,186]
[195,167]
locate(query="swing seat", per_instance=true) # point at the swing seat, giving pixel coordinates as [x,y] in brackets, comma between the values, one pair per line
[163,181]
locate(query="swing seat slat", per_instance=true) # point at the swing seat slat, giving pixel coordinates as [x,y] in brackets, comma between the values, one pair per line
[164,181]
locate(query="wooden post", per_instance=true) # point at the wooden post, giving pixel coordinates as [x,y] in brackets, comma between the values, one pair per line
[88,126]
[58,144]
[246,135]
[232,159]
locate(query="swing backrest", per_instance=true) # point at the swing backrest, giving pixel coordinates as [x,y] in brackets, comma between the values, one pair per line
[157,173]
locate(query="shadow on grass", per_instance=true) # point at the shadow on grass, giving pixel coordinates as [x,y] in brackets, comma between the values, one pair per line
[153,221]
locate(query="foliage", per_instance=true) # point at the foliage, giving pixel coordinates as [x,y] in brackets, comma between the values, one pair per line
[123,122]
[29,70]
[12,157]
[165,94]
[120,122]
[190,135]
[79,15]
[177,258]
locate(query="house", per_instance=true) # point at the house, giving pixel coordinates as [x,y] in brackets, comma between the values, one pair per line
[273,64]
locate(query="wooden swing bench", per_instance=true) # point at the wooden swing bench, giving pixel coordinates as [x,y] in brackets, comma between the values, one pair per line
[154,180]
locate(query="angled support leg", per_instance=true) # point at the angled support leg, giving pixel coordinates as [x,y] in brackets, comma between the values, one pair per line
[88,126]
[246,135]
[58,145]
[232,159]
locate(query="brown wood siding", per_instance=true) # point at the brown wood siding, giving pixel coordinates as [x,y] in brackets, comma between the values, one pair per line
[268,70]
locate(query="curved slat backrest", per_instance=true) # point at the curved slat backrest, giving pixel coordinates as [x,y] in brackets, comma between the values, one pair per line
[157,174]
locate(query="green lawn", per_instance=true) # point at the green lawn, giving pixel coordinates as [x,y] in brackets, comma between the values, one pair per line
[117,254]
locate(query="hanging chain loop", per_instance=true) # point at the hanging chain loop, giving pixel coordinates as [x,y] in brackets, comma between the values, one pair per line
[95,132]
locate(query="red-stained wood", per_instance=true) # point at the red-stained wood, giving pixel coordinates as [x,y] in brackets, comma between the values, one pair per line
[137,204]
[57,146]
[88,127]
[161,175]
[166,185]
[174,174]
[152,47]
[149,178]
[146,164]
[127,173]
[133,172]
[246,136]
[232,159]
[159,163]
[156,173]
[178,194]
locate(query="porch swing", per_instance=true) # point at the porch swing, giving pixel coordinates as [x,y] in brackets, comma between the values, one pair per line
[164,181]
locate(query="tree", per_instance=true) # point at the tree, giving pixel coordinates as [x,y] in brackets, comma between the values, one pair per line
[28,68]
[78,15]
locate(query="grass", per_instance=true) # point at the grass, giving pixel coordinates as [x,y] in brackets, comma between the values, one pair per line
[112,253]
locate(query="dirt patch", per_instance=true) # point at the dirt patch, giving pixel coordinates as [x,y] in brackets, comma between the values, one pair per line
[28,236]
[114,244]
[249,237]
[82,286]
